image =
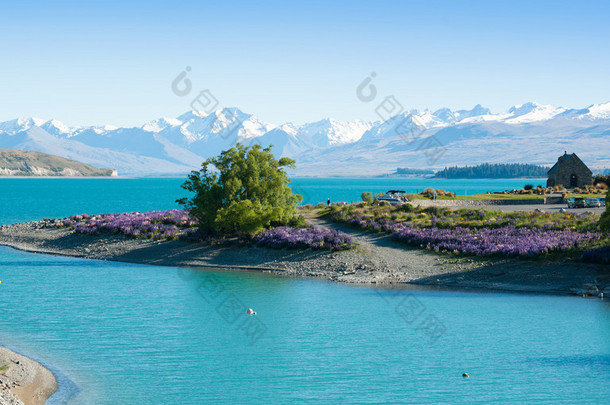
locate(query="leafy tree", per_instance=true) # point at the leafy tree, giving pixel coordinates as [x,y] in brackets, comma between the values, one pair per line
[243,190]
[367,196]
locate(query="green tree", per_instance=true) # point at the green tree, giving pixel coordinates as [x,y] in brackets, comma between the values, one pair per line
[367,196]
[604,222]
[243,190]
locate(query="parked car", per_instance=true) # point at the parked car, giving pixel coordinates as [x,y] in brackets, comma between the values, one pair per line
[593,202]
[577,202]
[602,201]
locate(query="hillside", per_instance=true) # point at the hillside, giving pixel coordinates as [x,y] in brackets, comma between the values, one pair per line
[28,163]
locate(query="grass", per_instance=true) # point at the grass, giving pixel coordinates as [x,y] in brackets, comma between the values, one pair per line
[2,368]
[586,195]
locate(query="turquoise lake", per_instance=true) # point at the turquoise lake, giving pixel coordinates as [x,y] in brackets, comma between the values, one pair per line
[118,333]
[33,199]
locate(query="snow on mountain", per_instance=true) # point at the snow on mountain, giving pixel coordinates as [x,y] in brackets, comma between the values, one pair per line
[476,111]
[529,132]
[55,127]
[38,140]
[20,124]
[532,112]
[403,125]
[160,124]
[601,111]
[330,132]
[591,113]
[451,117]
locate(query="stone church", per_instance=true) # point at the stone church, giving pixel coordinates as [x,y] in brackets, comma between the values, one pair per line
[570,172]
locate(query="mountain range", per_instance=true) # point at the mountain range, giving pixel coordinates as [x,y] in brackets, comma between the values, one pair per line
[424,139]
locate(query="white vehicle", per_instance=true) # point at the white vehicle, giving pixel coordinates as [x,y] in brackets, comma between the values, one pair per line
[393,197]
[593,202]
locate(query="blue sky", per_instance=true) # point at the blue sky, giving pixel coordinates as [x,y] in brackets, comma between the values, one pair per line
[105,62]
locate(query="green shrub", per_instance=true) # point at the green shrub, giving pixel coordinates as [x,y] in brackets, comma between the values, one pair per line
[407,207]
[367,196]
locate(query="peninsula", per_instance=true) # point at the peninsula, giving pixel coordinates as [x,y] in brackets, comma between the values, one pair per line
[24,163]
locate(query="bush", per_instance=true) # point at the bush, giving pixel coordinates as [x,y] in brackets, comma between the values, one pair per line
[407,207]
[435,211]
[600,178]
[528,187]
[367,196]
[429,192]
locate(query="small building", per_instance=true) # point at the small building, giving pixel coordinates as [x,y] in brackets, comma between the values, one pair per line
[570,172]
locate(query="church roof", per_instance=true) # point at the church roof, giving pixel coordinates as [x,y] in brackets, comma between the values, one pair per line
[564,158]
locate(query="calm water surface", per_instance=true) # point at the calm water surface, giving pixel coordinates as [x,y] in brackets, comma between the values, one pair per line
[33,199]
[119,333]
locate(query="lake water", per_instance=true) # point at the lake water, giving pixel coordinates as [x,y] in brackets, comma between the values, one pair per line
[33,199]
[119,333]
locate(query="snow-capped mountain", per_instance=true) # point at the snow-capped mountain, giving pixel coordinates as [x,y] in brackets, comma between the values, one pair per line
[529,132]
[329,132]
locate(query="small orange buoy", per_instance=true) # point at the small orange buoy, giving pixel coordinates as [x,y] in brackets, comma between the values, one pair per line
[465,375]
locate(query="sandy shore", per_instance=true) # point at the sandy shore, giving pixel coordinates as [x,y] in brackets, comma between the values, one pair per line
[378,260]
[24,381]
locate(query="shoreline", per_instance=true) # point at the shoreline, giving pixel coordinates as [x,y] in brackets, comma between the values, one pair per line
[24,380]
[378,260]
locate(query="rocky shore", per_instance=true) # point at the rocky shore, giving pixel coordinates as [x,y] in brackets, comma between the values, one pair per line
[377,260]
[24,381]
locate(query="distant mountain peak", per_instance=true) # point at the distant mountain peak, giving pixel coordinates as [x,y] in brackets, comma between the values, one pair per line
[531,112]
[177,145]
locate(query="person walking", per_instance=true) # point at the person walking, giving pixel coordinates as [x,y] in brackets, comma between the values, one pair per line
[328,202]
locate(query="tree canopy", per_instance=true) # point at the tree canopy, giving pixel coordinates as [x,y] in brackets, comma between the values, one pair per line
[493,171]
[243,190]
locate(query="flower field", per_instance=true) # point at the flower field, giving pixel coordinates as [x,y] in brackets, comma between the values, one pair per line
[177,224]
[170,224]
[505,241]
[474,231]
[313,237]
